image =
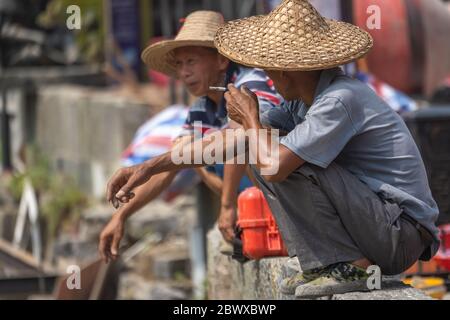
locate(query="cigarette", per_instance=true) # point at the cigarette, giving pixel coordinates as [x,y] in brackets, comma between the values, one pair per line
[221,89]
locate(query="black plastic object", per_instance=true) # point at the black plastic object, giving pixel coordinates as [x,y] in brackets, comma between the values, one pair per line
[238,253]
[430,128]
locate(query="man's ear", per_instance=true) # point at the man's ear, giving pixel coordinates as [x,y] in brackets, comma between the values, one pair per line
[223,62]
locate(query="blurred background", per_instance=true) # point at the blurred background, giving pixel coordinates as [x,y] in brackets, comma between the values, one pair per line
[77,103]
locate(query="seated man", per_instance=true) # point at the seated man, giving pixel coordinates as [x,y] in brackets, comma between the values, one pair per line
[351,188]
[192,58]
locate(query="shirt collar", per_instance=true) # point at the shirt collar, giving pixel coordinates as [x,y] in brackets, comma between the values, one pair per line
[214,111]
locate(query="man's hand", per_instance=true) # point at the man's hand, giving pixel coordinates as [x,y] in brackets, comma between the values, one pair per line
[124,181]
[242,105]
[110,237]
[227,222]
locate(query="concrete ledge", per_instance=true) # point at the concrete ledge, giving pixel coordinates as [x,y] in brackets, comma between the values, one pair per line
[258,280]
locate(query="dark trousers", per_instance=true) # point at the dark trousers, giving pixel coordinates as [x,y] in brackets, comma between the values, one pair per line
[328,215]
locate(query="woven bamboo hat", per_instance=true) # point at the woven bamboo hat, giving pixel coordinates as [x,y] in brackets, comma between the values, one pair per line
[293,37]
[198,29]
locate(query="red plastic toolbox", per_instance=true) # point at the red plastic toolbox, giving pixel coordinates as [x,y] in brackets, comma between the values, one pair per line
[260,235]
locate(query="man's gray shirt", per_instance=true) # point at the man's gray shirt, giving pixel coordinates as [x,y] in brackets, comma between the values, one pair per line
[349,124]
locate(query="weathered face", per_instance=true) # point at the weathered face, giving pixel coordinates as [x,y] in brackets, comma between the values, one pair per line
[291,85]
[280,82]
[199,68]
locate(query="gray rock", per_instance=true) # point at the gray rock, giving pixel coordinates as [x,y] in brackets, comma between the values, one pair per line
[134,287]
[93,220]
[73,249]
[167,219]
[171,265]
[393,290]
[252,280]
[260,280]
[161,291]
[218,269]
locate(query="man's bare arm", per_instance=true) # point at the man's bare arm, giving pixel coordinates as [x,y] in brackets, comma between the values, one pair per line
[233,174]
[147,193]
[127,179]
[211,180]
[243,107]
[112,233]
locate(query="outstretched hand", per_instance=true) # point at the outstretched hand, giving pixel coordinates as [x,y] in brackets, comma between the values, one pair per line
[122,183]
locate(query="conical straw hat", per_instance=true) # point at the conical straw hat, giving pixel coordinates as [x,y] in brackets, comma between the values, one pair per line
[293,37]
[198,29]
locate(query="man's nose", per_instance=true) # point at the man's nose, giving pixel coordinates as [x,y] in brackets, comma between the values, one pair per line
[184,72]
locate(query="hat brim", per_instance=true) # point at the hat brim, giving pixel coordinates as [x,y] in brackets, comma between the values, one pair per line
[159,56]
[248,42]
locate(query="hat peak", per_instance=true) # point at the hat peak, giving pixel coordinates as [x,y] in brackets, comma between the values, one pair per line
[296,17]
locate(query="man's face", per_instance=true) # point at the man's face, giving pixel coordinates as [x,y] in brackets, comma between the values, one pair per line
[199,68]
[280,82]
[291,84]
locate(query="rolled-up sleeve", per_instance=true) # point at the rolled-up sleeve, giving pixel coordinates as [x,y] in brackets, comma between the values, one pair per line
[324,133]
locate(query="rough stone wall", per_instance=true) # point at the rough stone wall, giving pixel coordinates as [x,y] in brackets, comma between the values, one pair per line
[258,280]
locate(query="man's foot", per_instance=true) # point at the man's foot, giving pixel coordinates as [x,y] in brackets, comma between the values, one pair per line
[342,278]
[289,284]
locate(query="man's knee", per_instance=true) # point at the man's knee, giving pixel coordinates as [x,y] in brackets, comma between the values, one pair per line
[408,254]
